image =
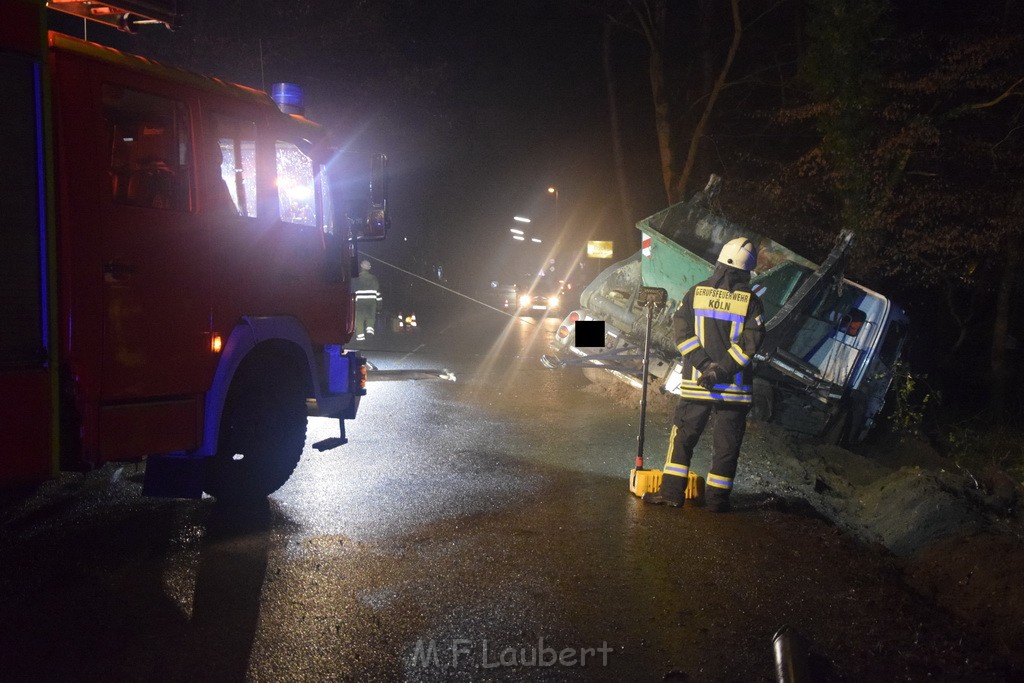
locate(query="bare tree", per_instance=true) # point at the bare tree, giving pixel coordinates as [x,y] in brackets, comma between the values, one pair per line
[648,19]
[680,184]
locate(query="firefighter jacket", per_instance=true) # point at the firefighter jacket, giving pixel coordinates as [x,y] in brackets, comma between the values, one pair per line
[366,288]
[719,320]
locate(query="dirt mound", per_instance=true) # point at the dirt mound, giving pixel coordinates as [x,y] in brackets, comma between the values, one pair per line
[603,385]
[911,508]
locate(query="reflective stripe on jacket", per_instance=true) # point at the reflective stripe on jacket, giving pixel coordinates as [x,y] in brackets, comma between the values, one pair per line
[365,287]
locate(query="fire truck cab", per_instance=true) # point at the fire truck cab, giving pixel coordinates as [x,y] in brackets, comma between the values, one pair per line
[176,283]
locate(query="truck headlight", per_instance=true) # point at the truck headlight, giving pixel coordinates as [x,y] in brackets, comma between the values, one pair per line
[553,302]
[525,300]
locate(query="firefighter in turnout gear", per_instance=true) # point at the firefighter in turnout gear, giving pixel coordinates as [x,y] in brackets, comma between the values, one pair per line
[367,293]
[718,327]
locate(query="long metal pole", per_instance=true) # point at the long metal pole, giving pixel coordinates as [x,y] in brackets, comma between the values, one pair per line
[643,388]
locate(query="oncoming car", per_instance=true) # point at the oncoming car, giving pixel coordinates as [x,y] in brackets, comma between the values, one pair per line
[536,302]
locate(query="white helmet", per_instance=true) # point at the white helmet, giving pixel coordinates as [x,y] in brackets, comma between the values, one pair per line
[739,253]
[364,264]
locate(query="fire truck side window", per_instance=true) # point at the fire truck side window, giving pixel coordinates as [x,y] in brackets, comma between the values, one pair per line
[236,155]
[295,187]
[150,159]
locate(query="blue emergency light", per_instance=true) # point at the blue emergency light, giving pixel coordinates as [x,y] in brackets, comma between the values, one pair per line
[288,97]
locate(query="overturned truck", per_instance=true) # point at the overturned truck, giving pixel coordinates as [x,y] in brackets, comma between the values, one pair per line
[830,347]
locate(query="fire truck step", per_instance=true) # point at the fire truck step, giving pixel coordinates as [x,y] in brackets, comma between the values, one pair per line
[330,444]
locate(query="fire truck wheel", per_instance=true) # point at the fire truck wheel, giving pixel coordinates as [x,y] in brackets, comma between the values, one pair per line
[262,432]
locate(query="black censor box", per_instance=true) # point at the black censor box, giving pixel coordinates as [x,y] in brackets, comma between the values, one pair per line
[589,333]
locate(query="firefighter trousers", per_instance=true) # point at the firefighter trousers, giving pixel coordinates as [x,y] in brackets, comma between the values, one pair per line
[366,317]
[690,419]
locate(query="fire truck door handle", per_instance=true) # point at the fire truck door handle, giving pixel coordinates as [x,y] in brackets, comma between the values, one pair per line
[115,271]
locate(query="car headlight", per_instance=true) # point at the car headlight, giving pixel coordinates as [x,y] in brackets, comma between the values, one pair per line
[525,300]
[553,301]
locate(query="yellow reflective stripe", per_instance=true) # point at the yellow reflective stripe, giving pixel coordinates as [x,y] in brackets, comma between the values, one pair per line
[735,388]
[671,445]
[677,470]
[724,397]
[688,345]
[758,320]
[719,482]
[737,354]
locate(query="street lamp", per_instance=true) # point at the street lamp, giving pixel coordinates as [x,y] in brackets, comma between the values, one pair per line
[554,190]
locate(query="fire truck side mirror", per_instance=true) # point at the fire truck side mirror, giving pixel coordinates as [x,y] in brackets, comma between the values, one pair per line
[377,219]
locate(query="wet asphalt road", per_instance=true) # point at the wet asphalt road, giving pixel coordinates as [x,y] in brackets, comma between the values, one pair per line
[476,530]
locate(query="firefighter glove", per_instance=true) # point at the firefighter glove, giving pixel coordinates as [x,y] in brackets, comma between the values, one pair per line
[712,374]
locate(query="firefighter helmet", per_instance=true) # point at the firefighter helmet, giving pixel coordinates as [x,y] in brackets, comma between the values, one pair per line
[739,253]
[364,264]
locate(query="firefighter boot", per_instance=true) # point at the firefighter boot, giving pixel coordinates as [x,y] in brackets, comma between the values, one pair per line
[671,493]
[717,499]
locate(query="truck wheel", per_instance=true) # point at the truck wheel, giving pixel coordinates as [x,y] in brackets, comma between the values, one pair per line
[262,432]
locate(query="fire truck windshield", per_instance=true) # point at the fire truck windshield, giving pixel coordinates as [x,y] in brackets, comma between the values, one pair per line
[296,185]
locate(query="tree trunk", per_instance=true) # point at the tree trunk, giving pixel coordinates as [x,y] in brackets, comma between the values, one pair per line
[622,180]
[679,187]
[1001,327]
[662,120]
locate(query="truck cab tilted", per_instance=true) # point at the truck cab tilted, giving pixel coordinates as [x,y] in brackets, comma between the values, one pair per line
[827,360]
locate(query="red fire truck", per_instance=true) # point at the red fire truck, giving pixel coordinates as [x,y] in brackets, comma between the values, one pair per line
[176,255]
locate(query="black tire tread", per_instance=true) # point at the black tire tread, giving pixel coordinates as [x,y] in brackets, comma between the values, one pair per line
[267,397]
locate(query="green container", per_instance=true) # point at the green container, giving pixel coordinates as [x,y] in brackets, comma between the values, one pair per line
[685,240]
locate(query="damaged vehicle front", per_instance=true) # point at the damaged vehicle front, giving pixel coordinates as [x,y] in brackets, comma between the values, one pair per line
[831,345]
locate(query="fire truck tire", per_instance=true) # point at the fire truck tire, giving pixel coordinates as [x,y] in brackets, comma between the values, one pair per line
[262,432]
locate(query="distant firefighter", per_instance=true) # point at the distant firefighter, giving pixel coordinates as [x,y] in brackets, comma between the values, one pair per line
[367,291]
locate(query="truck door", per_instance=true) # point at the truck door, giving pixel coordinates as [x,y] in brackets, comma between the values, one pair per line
[156,354]
[880,374]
